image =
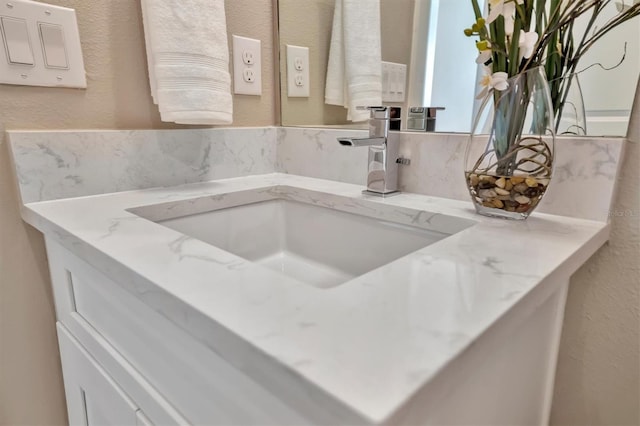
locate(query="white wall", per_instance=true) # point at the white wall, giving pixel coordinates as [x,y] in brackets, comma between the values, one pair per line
[598,376]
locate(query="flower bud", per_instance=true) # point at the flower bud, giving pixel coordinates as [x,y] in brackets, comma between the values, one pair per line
[482,45]
[468,32]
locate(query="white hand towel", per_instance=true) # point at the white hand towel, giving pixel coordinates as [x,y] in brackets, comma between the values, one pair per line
[354,72]
[188,60]
[335,88]
[150,60]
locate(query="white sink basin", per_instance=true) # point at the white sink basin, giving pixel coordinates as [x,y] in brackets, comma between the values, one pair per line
[317,245]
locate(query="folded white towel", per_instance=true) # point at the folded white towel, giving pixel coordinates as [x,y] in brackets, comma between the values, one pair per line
[354,72]
[188,60]
[335,88]
[150,60]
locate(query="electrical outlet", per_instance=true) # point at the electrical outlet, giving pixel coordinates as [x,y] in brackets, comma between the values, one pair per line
[247,66]
[248,76]
[298,71]
[247,57]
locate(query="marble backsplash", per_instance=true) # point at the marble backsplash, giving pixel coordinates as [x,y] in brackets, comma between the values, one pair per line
[583,184]
[64,164]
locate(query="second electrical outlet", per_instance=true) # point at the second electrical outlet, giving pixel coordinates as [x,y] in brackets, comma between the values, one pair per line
[247,66]
[297,71]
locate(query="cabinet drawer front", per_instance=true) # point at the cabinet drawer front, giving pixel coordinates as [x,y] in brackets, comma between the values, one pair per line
[153,403]
[93,398]
[200,385]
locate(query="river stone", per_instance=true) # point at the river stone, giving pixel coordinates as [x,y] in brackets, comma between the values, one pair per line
[487,193]
[520,188]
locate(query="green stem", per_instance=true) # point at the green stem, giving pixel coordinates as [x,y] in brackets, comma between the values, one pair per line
[476,9]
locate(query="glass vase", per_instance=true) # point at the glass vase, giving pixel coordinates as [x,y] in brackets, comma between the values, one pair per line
[569,114]
[509,158]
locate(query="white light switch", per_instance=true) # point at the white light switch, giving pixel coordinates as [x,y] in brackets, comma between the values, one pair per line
[55,52]
[16,41]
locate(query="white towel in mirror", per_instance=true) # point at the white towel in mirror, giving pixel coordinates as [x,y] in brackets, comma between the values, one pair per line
[354,72]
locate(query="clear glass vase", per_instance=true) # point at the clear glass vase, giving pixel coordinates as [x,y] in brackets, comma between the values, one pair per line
[509,158]
[570,116]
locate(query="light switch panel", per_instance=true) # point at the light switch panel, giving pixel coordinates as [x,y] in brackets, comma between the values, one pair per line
[41,45]
[394,81]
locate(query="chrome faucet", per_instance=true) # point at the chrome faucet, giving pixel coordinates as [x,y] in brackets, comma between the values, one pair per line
[382,177]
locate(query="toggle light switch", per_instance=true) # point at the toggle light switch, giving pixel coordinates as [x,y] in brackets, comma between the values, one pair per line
[16,41]
[52,38]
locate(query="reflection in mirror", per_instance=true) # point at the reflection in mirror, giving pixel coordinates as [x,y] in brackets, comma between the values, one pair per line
[426,36]
[308,23]
[442,68]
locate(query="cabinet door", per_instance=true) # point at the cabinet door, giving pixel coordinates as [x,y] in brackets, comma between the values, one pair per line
[93,398]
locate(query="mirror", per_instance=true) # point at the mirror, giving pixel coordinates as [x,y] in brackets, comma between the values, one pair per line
[426,36]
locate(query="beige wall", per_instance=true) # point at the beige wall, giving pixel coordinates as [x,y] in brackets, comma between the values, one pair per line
[598,371]
[598,377]
[117,97]
[308,23]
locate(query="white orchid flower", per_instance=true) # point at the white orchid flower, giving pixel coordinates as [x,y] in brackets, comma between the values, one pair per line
[497,81]
[526,43]
[495,10]
[483,57]
[506,8]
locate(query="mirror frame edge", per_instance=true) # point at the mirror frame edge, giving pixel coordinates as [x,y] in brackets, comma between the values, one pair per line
[277,89]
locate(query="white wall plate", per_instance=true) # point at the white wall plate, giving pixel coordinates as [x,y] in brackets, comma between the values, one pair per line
[297,71]
[247,66]
[40,45]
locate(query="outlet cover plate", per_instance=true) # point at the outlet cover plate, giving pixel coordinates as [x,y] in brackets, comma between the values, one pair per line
[247,61]
[298,82]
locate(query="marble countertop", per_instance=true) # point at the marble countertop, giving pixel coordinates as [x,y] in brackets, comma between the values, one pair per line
[367,345]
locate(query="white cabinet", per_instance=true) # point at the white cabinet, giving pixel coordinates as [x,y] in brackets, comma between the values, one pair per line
[93,398]
[125,363]
[156,366]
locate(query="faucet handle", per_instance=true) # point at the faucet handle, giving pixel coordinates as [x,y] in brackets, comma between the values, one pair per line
[377,112]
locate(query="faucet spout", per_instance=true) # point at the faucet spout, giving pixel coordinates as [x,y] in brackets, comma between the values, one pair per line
[358,142]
